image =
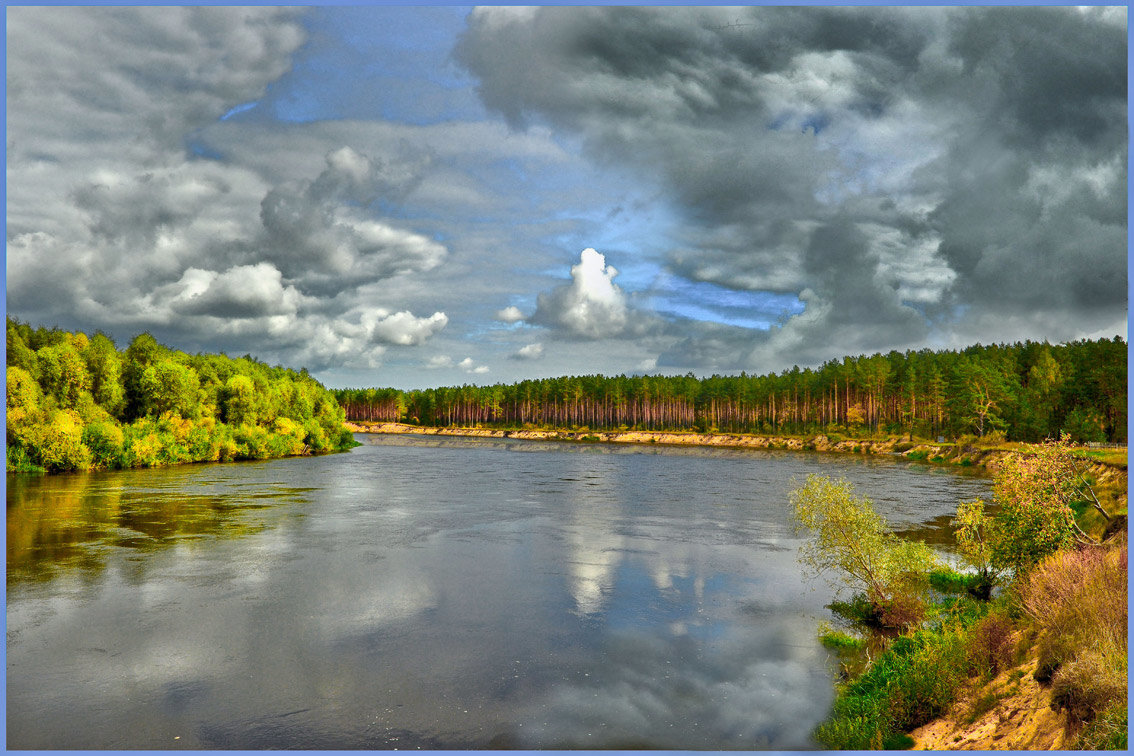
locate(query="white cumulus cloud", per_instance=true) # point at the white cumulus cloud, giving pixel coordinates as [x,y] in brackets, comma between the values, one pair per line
[510,314]
[592,306]
[529,352]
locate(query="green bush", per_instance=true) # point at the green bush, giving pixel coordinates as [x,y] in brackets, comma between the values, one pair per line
[55,442]
[911,683]
[251,442]
[62,389]
[947,580]
[105,440]
[19,461]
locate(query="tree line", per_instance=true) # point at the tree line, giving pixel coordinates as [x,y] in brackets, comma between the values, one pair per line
[76,402]
[1024,391]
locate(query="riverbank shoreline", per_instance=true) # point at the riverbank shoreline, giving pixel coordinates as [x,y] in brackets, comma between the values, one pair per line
[920,451]
[1110,474]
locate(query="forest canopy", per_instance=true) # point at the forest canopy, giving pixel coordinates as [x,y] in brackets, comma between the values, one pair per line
[1024,392]
[75,402]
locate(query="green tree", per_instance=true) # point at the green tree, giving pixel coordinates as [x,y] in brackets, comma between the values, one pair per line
[19,353]
[62,373]
[239,401]
[168,386]
[851,540]
[979,395]
[142,352]
[973,530]
[1035,489]
[104,365]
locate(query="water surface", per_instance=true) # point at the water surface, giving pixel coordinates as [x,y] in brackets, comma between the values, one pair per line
[431,593]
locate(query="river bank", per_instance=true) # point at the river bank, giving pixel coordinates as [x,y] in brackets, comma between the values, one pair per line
[943,453]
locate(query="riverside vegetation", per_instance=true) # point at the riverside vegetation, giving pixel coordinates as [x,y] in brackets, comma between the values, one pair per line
[1041,600]
[75,402]
[1020,392]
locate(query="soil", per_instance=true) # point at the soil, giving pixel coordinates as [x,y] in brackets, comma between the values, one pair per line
[1021,718]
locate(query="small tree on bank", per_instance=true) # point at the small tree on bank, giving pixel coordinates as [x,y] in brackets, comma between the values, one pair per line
[1035,489]
[973,529]
[852,545]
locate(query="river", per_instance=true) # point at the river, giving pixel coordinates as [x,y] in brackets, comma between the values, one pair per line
[432,593]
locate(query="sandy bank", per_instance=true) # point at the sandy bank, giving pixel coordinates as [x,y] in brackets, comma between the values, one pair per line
[963,456]
[728,440]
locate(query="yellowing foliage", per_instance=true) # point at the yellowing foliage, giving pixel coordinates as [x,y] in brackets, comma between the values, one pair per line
[75,402]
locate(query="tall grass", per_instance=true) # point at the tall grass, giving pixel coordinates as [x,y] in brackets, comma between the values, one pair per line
[1077,601]
[913,682]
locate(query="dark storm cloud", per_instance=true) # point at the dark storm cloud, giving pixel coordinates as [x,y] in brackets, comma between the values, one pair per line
[320,234]
[117,222]
[912,174]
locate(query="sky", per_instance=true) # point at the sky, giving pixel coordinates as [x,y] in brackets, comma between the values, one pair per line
[423,196]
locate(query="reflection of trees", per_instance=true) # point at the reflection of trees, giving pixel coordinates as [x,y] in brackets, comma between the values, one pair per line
[68,523]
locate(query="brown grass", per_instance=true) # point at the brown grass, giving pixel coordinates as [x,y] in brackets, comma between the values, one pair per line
[989,645]
[1077,601]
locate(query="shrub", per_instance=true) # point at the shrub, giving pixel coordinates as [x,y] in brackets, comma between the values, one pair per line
[900,611]
[929,682]
[1077,600]
[857,611]
[837,640]
[141,446]
[988,646]
[948,580]
[201,444]
[19,461]
[251,442]
[849,538]
[56,442]
[104,439]
[1087,685]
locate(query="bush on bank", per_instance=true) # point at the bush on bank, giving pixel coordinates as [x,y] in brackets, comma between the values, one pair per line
[1065,606]
[75,402]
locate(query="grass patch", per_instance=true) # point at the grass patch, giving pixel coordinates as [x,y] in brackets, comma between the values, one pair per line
[945,580]
[1106,732]
[917,456]
[911,683]
[837,640]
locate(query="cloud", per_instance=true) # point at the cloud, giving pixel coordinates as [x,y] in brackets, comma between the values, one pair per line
[317,232]
[202,61]
[244,291]
[897,165]
[592,306]
[510,314]
[528,352]
[403,327]
[123,216]
[469,366]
